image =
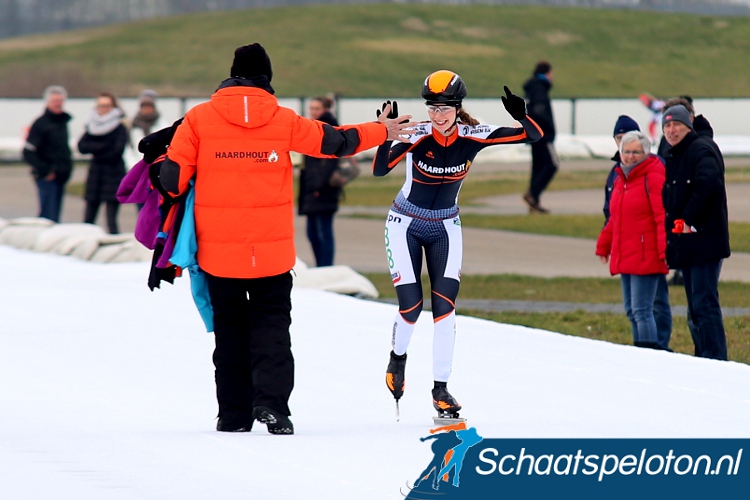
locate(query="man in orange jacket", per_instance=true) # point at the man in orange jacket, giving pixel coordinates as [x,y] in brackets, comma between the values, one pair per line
[236,148]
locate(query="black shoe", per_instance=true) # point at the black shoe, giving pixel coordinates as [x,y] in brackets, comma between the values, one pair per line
[652,345]
[533,203]
[233,422]
[277,423]
[676,279]
[394,375]
[442,400]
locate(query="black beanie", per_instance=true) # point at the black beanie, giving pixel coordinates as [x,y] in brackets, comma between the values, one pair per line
[677,113]
[251,60]
[625,124]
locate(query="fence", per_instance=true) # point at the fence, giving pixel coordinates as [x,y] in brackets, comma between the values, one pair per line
[574,117]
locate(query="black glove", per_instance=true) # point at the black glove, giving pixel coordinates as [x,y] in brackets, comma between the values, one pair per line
[394,110]
[514,105]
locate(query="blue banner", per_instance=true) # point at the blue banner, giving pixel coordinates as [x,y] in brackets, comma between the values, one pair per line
[467,466]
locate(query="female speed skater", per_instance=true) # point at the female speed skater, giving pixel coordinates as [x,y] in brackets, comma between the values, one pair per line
[655,106]
[424,217]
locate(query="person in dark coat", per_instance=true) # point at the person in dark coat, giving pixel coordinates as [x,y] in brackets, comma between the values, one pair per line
[544,162]
[48,152]
[105,139]
[318,199]
[697,226]
[701,127]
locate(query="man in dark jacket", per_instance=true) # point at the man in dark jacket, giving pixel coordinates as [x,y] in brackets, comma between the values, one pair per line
[48,152]
[703,128]
[697,226]
[544,161]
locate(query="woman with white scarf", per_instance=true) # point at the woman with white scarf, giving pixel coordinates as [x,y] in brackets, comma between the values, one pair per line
[105,139]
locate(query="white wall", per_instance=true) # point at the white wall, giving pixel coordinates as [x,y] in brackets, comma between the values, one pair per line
[580,117]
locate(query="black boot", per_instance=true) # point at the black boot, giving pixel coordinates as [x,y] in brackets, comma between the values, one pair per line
[277,422]
[234,422]
[394,375]
[649,345]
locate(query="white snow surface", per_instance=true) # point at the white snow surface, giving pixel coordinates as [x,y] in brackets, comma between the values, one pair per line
[107,392]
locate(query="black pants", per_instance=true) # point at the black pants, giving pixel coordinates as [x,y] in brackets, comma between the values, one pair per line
[253,355]
[704,311]
[92,208]
[544,165]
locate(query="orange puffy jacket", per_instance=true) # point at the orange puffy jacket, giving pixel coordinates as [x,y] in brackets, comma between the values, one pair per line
[237,148]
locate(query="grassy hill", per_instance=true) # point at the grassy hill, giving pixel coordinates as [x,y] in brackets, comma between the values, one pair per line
[388,49]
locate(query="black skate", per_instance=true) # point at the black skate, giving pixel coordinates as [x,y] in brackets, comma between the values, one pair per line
[446,405]
[394,375]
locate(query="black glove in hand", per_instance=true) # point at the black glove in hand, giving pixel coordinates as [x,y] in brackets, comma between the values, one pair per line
[394,110]
[515,105]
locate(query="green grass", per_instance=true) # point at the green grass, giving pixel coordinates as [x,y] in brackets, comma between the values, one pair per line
[386,50]
[616,328]
[380,191]
[600,326]
[583,290]
[575,226]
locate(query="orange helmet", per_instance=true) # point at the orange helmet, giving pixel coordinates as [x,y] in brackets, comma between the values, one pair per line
[444,87]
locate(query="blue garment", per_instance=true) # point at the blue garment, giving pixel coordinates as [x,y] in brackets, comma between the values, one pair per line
[638,294]
[608,187]
[704,311]
[184,256]
[50,198]
[663,313]
[320,234]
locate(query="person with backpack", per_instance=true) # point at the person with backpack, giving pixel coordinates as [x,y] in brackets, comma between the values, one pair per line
[633,241]
[424,217]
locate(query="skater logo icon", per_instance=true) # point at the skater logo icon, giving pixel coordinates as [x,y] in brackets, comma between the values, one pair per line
[443,474]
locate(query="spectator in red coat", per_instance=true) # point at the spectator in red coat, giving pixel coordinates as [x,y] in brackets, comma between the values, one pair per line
[634,241]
